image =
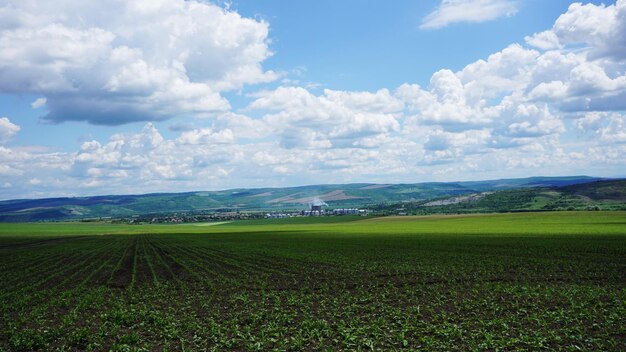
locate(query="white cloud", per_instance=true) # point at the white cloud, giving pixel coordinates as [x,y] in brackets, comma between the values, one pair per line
[334,119]
[243,126]
[206,136]
[380,101]
[113,62]
[545,40]
[503,72]
[600,27]
[589,77]
[6,170]
[7,129]
[436,107]
[475,11]
[149,157]
[39,102]
[607,128]
[548,91]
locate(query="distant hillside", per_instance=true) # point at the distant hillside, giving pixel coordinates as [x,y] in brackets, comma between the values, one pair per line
[529,182]
[268,199]
[614,190]
[595,195]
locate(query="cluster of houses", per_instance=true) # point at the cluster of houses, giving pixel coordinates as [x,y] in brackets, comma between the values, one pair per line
[189,217]
[317,210]
[349,211]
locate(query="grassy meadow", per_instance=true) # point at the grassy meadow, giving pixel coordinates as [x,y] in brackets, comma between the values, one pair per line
[526,281]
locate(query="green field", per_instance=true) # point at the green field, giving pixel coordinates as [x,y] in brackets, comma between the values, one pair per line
[529,281]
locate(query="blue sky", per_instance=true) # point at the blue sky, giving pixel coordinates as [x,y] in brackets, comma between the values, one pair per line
[144,96]
[350,45]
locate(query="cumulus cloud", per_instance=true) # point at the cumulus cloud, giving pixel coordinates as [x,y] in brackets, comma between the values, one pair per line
[113,62]
[573,81]
[206,136]
[444,103]
[607,128]
[456,11]
[7,129]
[333,119]
[544,40]
[150,157]
[600,27]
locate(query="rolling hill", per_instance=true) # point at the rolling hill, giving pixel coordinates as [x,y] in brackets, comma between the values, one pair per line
[596,195]
[271,199]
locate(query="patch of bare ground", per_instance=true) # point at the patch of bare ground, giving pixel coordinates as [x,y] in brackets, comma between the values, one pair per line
[456,200]
[285,199]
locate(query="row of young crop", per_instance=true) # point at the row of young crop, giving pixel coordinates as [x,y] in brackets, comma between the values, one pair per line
[59,274]
[53,301]
[73,275]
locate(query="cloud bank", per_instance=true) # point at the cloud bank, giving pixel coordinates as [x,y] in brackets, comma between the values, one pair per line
[554,104]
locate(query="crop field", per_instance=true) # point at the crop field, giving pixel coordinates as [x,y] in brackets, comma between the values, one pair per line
[530,281]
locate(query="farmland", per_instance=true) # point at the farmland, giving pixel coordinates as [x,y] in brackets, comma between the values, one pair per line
[531,281]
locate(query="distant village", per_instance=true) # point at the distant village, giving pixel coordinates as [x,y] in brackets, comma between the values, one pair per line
[315,209]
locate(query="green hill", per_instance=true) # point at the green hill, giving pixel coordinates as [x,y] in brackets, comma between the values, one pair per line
[510,194]
[596,195]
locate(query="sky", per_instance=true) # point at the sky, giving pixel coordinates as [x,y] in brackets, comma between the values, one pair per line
[139,96]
